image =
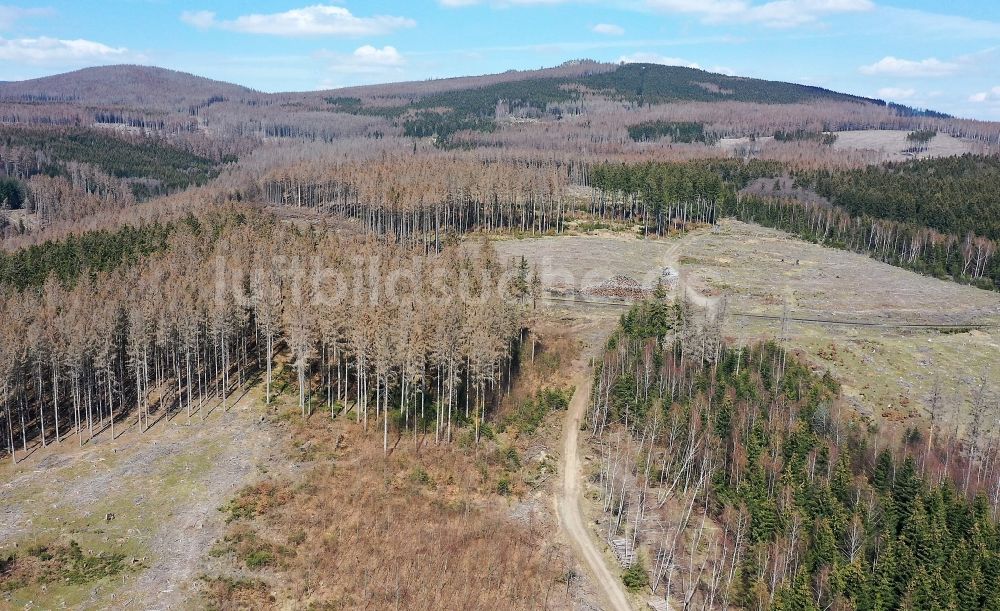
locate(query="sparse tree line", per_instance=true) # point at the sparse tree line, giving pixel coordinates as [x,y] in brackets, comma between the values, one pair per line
[732,465]
[825,138]
[677,131]
[919,139]
[421,200]
[664,196]
[392,336]
[79,190]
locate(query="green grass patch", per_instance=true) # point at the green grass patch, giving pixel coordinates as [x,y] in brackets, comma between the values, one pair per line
[259,558]
[66,564]
[529,415]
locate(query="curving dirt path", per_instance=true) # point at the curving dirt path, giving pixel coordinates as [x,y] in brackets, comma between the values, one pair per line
[568,502]
[577,262]
[671,259]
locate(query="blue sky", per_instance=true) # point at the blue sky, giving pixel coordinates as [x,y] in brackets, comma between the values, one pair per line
[924,53]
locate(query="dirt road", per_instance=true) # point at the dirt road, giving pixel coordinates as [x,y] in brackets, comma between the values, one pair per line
[672,260]
[574,263]
[568,502]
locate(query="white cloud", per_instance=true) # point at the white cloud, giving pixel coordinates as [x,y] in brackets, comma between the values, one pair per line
[935,25]
[710,10]
[642,57]
[608,28]
[315,20]
[44,49]
[775,14]
[371,56]
[986,96]
[365,60]
[896,93]
[893,66]
[770,13]
[653,58]
[366,64]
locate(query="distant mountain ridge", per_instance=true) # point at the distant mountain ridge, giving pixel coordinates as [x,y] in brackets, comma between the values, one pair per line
[153,87]
[648,83]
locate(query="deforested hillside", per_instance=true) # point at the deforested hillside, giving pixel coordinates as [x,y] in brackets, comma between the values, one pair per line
[568,71]
[375,326]
[124,85]
[409,373]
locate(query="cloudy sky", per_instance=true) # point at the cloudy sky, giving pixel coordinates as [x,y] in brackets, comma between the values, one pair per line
[925,53]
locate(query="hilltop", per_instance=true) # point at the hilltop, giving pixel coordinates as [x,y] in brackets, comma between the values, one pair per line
[122,85]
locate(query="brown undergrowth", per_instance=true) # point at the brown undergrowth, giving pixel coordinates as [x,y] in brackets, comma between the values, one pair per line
[430,526]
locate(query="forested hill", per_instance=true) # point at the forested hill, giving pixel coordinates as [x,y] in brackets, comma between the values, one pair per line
[649,83]
[149,98]
[644,83]
[444,107]
[654,83]
[128,85]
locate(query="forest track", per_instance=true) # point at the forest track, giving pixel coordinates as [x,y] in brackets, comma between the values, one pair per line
[569,498]
[671,259]
[581,261]
[568,502]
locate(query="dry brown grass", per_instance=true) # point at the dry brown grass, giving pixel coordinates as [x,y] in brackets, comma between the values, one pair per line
[892,144]
[425,528]
[232,594]
[555,349]
[450,526]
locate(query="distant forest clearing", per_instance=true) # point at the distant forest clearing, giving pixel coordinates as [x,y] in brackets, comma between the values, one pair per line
[896,147]
[888,373]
